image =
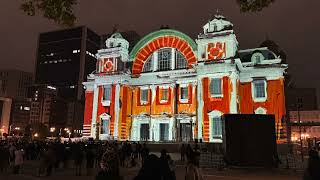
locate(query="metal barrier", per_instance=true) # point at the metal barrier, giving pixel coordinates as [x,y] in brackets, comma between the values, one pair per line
[211,160]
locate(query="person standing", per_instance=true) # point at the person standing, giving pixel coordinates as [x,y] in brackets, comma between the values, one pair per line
[109,166]
[90,156]
[192,168]
[144,152]
[78,158]
[182,152]
[18,160]
[313,172]
[4,158]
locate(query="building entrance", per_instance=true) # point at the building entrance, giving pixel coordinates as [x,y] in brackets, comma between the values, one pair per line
[164,132]
[144,132]
[185,132]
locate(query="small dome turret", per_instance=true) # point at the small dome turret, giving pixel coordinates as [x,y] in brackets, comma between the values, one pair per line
[219,23]
[116,40]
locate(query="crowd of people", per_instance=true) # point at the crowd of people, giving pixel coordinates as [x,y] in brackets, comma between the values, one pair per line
[105,158]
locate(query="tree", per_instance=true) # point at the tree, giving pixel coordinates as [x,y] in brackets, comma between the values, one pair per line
[60,11]
[253,5]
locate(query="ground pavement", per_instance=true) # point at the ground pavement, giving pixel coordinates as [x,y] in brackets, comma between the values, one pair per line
[30,172]
[30,168]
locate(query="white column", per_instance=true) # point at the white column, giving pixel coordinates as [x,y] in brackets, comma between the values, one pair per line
[135,131]
[233,101]
[116,111]
[171,129]
[94,110]
[153,94]
[155,60]
[173,55]
[200,108]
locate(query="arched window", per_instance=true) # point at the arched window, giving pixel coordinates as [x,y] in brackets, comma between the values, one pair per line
[148,65]
[164,59]
[181,61]
[260,110]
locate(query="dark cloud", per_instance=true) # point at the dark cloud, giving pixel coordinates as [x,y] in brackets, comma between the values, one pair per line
[293,24]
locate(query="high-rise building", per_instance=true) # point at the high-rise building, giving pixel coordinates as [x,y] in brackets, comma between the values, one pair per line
[20,115]
[14,83]
[5,107]
[64,60]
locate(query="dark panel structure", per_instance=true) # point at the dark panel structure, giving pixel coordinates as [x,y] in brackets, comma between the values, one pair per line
[249,140]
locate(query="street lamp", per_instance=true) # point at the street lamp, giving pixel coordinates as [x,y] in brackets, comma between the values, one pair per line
[52,129]
[36,135]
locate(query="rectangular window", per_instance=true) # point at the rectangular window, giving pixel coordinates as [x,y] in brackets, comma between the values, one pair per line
[216,128]
[184,93]
[106,93]
[104,126]
[259,89]
[144,95]
[164,59]
[164,94]
[164,132]
[215,87]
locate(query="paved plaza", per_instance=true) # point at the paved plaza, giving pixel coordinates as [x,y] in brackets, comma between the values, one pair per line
[30,169]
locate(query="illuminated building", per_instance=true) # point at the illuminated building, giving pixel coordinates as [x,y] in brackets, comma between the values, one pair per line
[172,88]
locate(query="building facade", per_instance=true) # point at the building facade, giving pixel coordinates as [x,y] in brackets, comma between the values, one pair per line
[172,88]
[5,111]
[304,123]
[15,83]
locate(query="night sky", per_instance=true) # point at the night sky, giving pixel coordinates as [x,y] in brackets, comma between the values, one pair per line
[293,24]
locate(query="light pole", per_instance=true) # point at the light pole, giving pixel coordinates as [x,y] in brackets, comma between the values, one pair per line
[299,105]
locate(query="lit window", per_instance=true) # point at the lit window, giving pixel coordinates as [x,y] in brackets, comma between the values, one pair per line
[148,65]
[164,95]
[74,51]
[216,127]
[164,59]
[26,108]
[144,95]
[181,61]
[106,93]
[258,60]
[259,89]
[184,93]
[215,87]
